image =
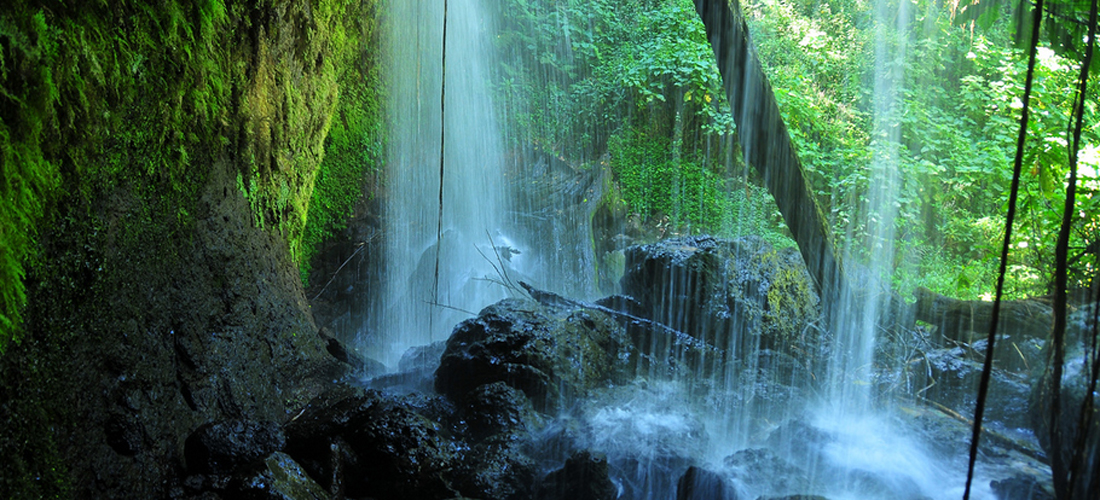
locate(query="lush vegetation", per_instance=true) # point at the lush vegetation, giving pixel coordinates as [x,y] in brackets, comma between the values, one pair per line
[124,127]
[634,80]
[632,85]
[958,114]
[353,147]
[71,115]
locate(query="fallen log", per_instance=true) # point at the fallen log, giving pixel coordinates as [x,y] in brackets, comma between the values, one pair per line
[968,320]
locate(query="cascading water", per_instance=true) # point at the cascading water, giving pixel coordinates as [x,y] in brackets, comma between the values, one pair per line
[862,306]
[717,406]
[433,279]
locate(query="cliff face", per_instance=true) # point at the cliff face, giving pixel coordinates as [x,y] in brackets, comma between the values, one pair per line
[158,165]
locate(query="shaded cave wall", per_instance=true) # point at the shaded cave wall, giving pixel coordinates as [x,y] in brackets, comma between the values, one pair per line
[159,166]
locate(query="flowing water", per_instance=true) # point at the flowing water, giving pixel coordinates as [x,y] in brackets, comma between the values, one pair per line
[436,271]
[439,271]
[450,252]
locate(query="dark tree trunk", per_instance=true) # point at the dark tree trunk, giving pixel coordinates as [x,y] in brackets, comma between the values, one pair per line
[766,144]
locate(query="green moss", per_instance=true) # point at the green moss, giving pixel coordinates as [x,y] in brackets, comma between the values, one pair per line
[353,148]
[96,94]
[147,96]
[114,118]
[791,298]
[690,192]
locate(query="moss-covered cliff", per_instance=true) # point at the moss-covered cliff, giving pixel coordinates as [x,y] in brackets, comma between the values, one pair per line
[159,163]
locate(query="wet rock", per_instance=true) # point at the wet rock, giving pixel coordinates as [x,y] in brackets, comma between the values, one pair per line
[951,377]
[1074,387]
[425,356]
[279,478]
[547,353]
[199,484]
[737,295]
[497,408]
[702,484]
[125,434]
[807,445]
[795,497]
[206,495]
[497,467]
[648,431]
[585,476]
[222,447]
[1019,488]
[339,350]
[762,470]
[415,370]
[381,445]
[799,438]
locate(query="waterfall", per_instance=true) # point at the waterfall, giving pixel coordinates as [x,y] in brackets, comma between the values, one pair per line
[509,212]
[414,310]
[870,238]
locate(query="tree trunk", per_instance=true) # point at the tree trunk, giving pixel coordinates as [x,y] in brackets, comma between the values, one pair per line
[766,144]
[960,319]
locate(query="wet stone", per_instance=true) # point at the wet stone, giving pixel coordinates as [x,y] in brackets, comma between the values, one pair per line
[702,484]
[497,408]
[279,478]
[551,354]
[222,447]
[380,445]
[1020,487]
[585,476]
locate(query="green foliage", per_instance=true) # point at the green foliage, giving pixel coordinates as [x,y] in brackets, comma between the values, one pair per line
[144,97]
[690,194]
[633,83]
[27,179]
[354,145]
[958,116]
[75,91]
[577,72]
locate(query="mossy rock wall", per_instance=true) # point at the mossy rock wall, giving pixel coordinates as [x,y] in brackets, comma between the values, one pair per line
[158,165]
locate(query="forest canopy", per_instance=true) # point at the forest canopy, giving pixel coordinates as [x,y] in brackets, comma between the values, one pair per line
[633,83]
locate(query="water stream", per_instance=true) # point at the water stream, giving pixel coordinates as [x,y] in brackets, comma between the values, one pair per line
[845,442]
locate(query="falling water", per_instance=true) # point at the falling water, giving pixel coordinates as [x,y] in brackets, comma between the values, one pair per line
[870,239]
[437,272]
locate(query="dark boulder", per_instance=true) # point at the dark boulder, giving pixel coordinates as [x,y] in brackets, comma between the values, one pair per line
[498,419]
[547,353]
[950,377]
[795,497]
[799,438]
[1080,325]
[1020,487]
[737,295]
[702,484]
[380,445]
[496,467]
[762,470]
[585,476]
[415,370]
[223,447]
[278,478]
[497,408]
